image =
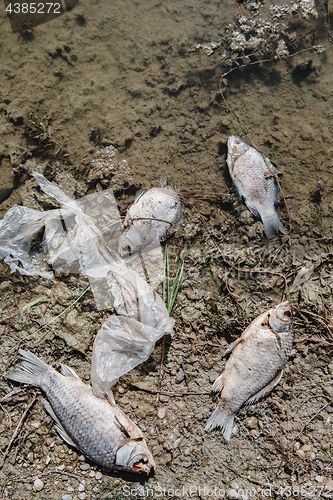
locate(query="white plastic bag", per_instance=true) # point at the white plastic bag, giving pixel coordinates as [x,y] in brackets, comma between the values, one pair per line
[124,341]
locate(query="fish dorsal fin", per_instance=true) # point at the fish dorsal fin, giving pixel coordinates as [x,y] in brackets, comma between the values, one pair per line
[110,398]
[232,346]
[218,384]
[164,180]
[68,372]
[61,431]
[138,195]
[265,390]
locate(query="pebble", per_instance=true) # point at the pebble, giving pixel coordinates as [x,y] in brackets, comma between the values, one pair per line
[301,454]
[67,497]
[82,458]
[70,489]
[329,485]
[85,467]
[82,487]
[38,484]
[320,479]
[121,390]
[99,476]
[61,467]
[92,473]
[252,422]
[232,494]
[82,496]
[162,412]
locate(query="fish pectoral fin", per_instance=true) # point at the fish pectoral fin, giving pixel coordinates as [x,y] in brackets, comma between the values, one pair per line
[110,398]
[232,346]
[254,212]
[61,431]
[265,390]
[68,372]
[218,384]
[122,427]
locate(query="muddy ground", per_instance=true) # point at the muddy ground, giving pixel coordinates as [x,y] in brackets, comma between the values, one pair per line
[120,74]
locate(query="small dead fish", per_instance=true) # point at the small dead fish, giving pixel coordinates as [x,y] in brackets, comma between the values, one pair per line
[95,426]
[154,216]
[253,175]
[255,366]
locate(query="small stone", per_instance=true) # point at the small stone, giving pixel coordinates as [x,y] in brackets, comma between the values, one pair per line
[85,467]
[61,467]
[320,479]
[312,456]
[232,494]
[70,489]
[300,453]
[95,489]
[35,424]
[253,433]
[162,412]
[99,476]
[121,390]
[66,497]
[92,473]
[329,485]
[82,458]
[284,443]
[82,487]
[82,496]
[252,422]
[306,447]
[38,484]
[234,486]
[47,460]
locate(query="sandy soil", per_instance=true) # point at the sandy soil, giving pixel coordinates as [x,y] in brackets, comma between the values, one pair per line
[120,73]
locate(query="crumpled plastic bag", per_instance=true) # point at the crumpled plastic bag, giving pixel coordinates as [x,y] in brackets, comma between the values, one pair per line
[124,341]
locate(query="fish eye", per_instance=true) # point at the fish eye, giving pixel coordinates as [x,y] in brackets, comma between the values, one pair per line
[237,141]
[127,250]
[287,314]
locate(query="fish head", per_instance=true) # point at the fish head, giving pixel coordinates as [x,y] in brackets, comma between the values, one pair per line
[134,456]
[129,242]
[281,318]
[236,147]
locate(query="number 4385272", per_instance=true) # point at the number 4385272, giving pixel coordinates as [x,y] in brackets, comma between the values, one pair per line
[33,8]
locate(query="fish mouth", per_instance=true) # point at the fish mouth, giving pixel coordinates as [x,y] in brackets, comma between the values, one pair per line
[134,456]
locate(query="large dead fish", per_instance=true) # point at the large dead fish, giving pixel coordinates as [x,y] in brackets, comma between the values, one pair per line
[254,367]
[154,216]
[254,176]
[95,426]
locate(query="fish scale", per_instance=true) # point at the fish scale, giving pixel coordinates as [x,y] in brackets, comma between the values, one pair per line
[96,426]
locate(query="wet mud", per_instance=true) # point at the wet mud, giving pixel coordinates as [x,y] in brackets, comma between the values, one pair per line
[122,74]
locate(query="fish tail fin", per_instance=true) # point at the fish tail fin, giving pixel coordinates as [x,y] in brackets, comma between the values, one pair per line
[223,418]
[272,223]
[30,371]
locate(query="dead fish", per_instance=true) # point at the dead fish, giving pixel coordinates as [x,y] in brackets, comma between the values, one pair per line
[154,216]
[255,366]
[254,176]
[95,426]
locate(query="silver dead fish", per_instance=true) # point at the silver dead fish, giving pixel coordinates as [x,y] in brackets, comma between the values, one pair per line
[95,426]
[253,174]
[154,216]
[255,366]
